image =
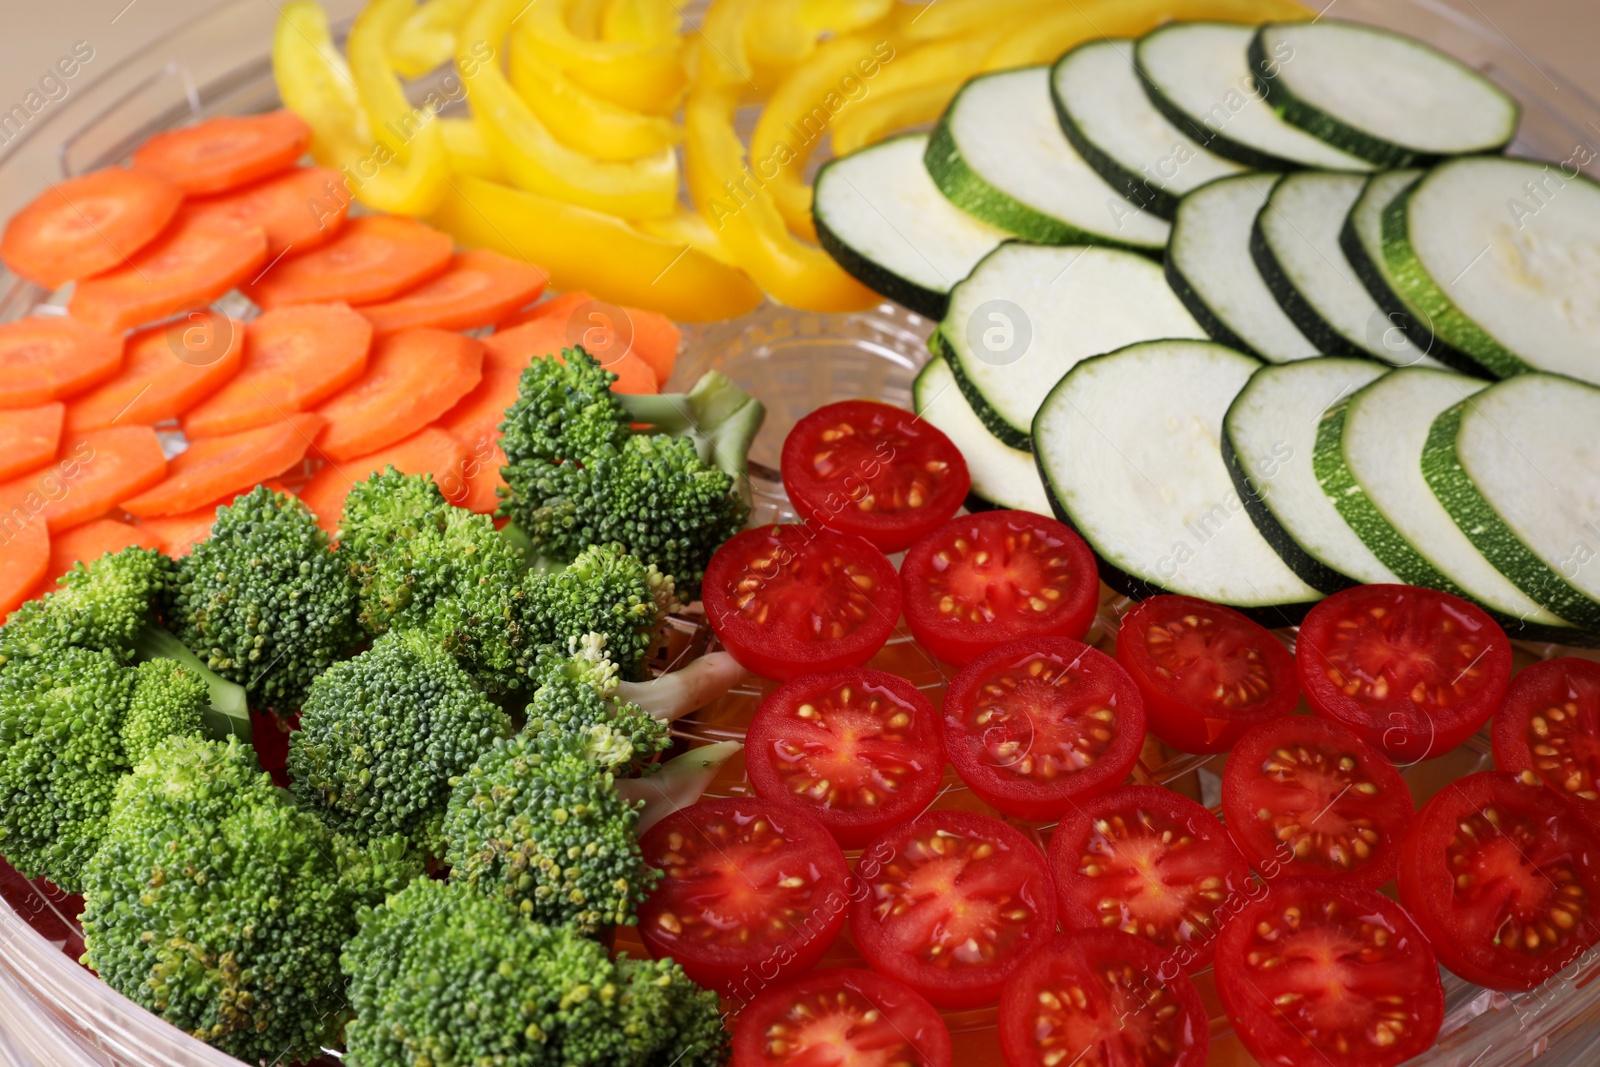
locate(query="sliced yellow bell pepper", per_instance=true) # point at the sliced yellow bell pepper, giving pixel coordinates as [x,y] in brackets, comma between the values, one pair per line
[641,21]
[1045,38]
[776,41]
[643,77]
[913,89]
[947,19]
[880,116]
[427,39]
[581,120]
[584,16]
[584,249]
[843,16]
[468,154]
[530,154]
[410,133]
[688,228]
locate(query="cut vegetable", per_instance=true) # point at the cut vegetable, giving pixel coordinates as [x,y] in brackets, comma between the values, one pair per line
[1268,439]
[29,438]
[482,480]
[224,153]
[375,258]
[881,216]
[214,467]
[556,307]
[550,335]
[1104,111]
[87,543]
[480,288]
[1002,476]
[656,340]
[96,472]
[88,225]
[475,419]
[300,209]
[24,562]
[414,377]
[47,359]
[1027,315]
[1211,269]
[1391,100]
[999,154]
[1127,444]
[430,452]
[178,534]
[167,370]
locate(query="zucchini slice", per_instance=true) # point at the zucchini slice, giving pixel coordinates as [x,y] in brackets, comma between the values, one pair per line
[885,222]
[1108,118]
[1210,267]
[1028,313]
[1002,476]
[1127,444]
[1387,98]
[999,154]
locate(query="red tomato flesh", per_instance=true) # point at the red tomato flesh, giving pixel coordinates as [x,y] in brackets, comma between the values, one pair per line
[840,1017]
[981,580]
[1550,725]
[950,904]
[1207,673]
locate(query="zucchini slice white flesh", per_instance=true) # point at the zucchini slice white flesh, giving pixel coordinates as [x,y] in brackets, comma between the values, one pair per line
[1199,75]
[1296,248]
[1028,313]
[1002,476]
[1517,469]
[885,222]
[1210,267]
[1386,98]
[1369,462]
[1268,439]
[999,154]
[1128,446]
[1502,255]
[1108,118]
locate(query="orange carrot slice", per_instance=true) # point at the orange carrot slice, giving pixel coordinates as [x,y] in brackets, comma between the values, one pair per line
[294,358]
[556,307]
[215,466]
[548,336]
[188,266]
[87,543]
[480,288]
[656,340]
[430,452]
[376,257]
[24,561]
[178,534]
[46,359]
[299,209]
[414,377]
[96,472]
[167,370]
[483,481]
[225,153]
[88,225]
[29,438]
[475,420]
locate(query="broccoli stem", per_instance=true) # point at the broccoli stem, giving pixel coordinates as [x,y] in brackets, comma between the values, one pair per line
[229,712]
[719,417]
[677,783]
[672,696]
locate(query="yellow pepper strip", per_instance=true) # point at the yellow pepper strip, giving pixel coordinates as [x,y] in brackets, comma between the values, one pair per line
[531,155]
[584,18]
[775,40]
[410,133]
[880,116]
[839,17]
[468,154]
[688,228]
[946,19]
[427,39]
[640,77]
[1043,40]
[581,120]
[587,250]
[641,21]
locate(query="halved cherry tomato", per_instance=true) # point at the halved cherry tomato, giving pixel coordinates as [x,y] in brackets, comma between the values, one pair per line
[1305,796]
[1326,973]
[1207,672]
[840,1017]
[950,904]
[748,889]
[789,600]
[873,470]
[1036,725]
[981,580]
[1414,671]
[1101,997]
[1147,861]
[1504,879]
[1550,725]
[861,750]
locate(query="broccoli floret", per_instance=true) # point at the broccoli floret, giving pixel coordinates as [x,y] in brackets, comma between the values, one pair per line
[263,601]
[218,904]
[382,735]
[606,591]
[168,701]
[102,606]
[576,699]
[443,975]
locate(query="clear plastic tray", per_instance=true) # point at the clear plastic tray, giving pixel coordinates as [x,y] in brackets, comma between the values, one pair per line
[54,1013]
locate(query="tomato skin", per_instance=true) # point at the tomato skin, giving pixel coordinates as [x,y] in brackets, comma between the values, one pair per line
[1012,867]
[1516,865]
[1332,777]
[1111,1023]
[1127,825]
[1168,629]
[872,451]
[769,592]
[777,731]
[913,1025]
[1554,704]
[1376,950]
[1012,762]
[1010,541]
[1376,640]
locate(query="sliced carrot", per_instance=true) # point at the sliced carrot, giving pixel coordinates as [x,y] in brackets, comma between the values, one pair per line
[188,266]
[224,153]
[29,438]
[79,228]
[651,336]
[548,336]
[480,288]
[294,358]
[475,420]
[95,472]
[178,534]
[87,543]
[167,370]
[430,452]
[298,209]
[375,258]
[24,561]
[215,466]
[656,340]
[556,307]
[414,377]
[47,359]
[484,481]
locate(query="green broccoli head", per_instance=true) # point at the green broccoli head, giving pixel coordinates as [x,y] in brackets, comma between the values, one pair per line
[387,510]
[382,735]
[444,975]
[168,701]
[102,606]
[263,601]
[605,590]
[537,822]
[564,410]
[576,699]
